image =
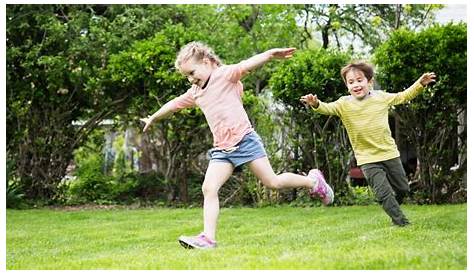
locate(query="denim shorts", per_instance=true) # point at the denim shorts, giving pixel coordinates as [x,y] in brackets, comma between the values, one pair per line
[248,149]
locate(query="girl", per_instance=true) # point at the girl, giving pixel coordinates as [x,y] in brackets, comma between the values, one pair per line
[217,90]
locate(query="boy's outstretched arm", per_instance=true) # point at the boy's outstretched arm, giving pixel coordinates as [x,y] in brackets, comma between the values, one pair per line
[413,91]
[260,59]
[162,113]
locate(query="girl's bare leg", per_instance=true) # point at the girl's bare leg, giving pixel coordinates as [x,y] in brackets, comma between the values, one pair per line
[263,170]
[216,175]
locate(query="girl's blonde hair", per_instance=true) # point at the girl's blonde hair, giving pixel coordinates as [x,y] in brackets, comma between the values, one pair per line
[197,51]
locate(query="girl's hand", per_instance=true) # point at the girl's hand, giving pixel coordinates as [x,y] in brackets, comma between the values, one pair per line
[427,78]
[147,122]
[310,99]
[282,53]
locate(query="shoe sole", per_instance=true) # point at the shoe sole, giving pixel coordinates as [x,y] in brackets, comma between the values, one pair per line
[190,246]
[185,245]
[331,194]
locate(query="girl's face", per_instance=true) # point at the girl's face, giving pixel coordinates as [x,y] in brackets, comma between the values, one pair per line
[197,71]
[357,83]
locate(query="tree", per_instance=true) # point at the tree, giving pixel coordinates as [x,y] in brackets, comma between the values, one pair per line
[368,25]
[56,55]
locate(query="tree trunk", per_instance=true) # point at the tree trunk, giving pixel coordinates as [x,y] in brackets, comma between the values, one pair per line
[398,15]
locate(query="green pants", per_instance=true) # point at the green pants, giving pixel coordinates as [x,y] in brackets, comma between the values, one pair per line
[390,184]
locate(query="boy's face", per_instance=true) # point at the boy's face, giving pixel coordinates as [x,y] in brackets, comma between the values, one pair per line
[197,71]
[357,83]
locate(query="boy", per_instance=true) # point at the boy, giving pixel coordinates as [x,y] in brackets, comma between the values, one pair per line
[364,114]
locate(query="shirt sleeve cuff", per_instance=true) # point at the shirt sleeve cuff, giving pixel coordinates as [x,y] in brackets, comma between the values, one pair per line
[315,108]
[419,85]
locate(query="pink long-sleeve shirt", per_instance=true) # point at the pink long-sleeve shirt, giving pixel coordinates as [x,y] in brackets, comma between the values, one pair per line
[221,103]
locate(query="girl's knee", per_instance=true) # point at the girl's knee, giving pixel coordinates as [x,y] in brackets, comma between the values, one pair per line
[208,189]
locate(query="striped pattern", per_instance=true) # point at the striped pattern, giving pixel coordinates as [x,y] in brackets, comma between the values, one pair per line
[366,122]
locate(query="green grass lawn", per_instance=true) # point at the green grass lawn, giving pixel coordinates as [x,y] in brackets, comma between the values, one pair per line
[359,237]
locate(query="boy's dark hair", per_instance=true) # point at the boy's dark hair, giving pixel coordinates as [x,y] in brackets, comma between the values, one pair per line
[367,69]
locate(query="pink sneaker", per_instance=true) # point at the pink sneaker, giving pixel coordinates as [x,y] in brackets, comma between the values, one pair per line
[200,241]
[321,188]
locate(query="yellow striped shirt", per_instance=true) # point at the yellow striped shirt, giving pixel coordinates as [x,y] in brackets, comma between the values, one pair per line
[366,122]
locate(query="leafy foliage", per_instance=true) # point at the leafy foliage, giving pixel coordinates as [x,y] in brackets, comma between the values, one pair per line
[69,67]
[14,196]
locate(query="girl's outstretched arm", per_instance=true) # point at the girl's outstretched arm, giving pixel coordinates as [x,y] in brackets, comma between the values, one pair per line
[260,59]
[163,112]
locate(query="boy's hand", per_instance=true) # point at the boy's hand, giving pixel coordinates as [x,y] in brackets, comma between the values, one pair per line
[282,53]
[427,78]
[147,122]
[310,99]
